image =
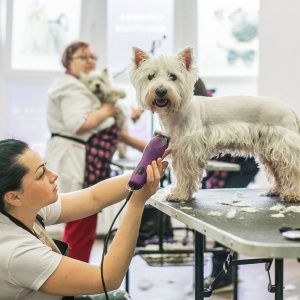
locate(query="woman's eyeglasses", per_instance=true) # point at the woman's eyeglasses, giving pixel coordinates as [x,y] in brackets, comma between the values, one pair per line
[86,58]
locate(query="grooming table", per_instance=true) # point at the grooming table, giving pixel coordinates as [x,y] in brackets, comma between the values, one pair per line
[252,234]
[129,163]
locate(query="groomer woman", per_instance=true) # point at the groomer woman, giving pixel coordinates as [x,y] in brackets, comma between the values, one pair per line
[32,266]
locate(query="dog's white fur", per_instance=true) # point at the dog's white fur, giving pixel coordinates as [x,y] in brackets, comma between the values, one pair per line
[203,127]
[100,84]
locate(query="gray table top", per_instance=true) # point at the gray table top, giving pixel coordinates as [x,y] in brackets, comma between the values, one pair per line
[253,234]
[129,163]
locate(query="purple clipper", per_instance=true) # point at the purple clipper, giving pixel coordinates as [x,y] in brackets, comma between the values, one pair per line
[154,149]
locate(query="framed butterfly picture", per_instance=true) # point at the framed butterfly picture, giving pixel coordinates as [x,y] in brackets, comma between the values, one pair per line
[228,42]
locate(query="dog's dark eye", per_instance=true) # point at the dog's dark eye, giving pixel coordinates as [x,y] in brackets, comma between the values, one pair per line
[150,77]
[173,77]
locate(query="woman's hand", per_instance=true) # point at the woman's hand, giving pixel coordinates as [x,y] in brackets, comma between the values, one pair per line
[110,110]
[98,116]
[155,172]
[136,113]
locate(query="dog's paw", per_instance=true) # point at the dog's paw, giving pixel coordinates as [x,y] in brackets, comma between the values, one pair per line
[117,94]
[291,198]
[178,198]
[272,192]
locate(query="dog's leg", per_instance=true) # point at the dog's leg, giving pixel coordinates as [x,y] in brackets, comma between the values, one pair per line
[283,157]
[274,189]
[289,176]
[183,189]
[288,167]
[188,176]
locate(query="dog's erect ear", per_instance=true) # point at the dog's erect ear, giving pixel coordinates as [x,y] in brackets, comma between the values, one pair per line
[187,56]
[105,72]
[139,56]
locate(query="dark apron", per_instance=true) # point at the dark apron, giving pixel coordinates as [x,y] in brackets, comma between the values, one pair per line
[100,149]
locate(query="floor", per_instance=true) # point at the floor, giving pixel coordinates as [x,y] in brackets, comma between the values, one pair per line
[176,282]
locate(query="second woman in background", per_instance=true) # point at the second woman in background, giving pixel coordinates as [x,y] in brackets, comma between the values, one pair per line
[84,137]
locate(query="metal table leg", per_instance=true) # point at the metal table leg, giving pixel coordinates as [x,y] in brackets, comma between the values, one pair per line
[279,279]
[235,277]
[199,265]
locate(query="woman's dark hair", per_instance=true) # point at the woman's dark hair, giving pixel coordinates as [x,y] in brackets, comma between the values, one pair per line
[70,50]
[11,170]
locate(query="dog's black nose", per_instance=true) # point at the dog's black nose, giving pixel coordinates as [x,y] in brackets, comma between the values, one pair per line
[160,92]
[97,86]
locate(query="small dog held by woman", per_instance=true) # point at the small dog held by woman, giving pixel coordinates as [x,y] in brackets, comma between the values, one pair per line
[100,84]
[203,127]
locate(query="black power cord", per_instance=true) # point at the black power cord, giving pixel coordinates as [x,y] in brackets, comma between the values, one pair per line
[107,239]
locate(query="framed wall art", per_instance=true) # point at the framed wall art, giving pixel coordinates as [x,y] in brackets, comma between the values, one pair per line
[228,37]
[40,31]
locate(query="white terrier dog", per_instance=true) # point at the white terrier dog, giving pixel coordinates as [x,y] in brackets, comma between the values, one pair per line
[203,127]
[100,85]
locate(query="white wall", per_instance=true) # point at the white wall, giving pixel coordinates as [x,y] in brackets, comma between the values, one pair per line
[279,35]
[279,63]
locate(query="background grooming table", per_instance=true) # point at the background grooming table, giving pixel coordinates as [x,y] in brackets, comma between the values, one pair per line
[253,234]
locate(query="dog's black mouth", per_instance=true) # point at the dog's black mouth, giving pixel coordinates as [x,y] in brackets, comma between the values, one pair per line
[98,91]
[160,102]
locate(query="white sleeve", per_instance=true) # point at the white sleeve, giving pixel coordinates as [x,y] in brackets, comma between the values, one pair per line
[51,213]
[73,101]
[76,102]
[37,259]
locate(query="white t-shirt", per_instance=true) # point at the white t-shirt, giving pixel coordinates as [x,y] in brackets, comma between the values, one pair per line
[25,262]
[70,101]
[69,104]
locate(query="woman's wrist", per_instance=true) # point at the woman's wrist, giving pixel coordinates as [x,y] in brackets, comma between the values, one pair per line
[137,201]
[132,141]
[95,118]
[103,113]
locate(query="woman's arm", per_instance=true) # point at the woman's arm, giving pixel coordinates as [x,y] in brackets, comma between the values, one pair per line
[73,277]
[136,113]
[79,109]
[94,118]
[131,141]
[85,202]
